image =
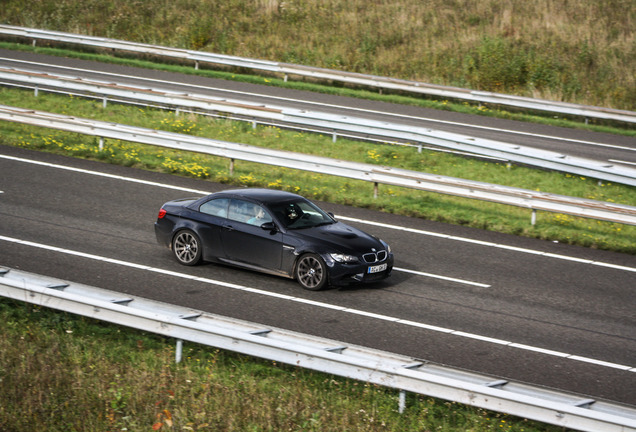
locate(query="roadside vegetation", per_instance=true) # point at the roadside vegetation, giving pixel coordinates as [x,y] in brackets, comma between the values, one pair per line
[580,51]
[474,213]
[318,86]
[63,373]
[67,373]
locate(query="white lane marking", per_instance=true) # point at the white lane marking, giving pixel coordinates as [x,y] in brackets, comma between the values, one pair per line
[321,304]
[490,244]
[344,107]
[100,174]
[116,177]
[419,273]
[362,221]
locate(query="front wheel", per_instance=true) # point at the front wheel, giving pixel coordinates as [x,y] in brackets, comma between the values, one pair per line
[186,247]
[311,272]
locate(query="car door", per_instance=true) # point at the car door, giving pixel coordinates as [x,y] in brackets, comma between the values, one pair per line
[245,241]
[212,217]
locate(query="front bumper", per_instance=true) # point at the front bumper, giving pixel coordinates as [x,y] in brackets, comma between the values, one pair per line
[346,274]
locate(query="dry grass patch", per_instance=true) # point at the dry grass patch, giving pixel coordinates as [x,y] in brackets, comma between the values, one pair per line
[582,51]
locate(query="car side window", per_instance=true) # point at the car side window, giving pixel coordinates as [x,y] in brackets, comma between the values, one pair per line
[215,207]
[247,212]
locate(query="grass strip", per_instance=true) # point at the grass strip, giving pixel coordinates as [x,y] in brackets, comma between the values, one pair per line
[581,52]
[68,373]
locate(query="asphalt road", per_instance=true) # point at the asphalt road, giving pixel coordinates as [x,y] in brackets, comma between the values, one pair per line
[533,311]
[609,148]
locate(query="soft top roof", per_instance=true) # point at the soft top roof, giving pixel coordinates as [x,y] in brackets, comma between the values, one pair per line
[259,194]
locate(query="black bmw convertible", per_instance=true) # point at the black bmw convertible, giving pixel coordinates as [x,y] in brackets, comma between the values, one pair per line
[274,232]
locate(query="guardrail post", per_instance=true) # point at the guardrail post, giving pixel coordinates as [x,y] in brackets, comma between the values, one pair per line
[179,351]
[196,65]
[36,91]
[334,136]
[231,167]
[533,218]
[101,143]
[375,190]
[402,404]
[104,102]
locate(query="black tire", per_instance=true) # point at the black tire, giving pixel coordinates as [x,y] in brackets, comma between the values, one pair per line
[186,247]
[311,272]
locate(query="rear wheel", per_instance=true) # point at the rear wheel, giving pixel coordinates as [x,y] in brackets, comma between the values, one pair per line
[186,247]
[311,272]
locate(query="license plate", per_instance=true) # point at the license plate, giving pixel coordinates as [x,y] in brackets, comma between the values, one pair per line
[377,269]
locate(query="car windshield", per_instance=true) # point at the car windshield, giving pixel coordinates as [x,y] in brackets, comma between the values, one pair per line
[300,214]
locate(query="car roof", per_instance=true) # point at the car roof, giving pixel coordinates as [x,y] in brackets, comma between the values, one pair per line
[259,194]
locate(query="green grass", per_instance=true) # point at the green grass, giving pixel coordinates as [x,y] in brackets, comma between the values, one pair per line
[580,52]
[67,373]
[489,110]
[474,213]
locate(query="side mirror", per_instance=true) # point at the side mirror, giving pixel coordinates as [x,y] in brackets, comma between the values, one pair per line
[269,226]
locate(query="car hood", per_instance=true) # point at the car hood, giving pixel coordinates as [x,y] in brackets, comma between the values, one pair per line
[340,237]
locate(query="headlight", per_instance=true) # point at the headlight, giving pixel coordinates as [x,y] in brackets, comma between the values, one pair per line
[343,258]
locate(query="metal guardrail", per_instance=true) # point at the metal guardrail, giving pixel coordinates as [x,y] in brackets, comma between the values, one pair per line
[372,173]
[321,122]
[288,69]
[355,362]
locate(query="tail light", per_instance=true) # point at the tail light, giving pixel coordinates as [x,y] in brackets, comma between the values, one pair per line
[162,213]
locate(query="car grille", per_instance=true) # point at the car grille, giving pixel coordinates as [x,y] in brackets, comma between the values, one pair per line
[374,256]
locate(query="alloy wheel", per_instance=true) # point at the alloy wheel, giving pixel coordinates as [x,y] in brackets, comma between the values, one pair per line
[311,272]
[186,247]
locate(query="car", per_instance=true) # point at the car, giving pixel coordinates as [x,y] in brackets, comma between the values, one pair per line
[274,232]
